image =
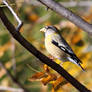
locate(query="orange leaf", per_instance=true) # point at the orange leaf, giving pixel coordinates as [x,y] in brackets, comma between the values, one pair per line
[49,78]
[46,68]
[57,82]
[21,30]
[37,76]
[47,23]
[76,37]
[52,90]
[33,17]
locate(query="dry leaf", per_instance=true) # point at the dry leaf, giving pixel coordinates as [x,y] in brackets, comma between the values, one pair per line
[33,17]
[38,75]
[47,23]
[76,37]
[57,82]
[49,78]
[46,68]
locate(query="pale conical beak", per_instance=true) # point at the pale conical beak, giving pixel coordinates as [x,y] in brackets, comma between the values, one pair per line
[43,29]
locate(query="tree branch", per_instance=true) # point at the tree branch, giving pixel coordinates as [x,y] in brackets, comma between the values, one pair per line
[39,55]
[77,20]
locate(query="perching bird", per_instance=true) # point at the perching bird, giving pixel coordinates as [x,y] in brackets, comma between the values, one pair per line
[58,47]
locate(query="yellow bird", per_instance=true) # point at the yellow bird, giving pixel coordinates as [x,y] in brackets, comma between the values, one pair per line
[58,47]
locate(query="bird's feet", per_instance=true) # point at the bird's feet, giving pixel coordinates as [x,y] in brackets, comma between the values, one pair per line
[51,57]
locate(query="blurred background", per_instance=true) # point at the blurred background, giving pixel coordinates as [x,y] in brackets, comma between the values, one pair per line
[23,65]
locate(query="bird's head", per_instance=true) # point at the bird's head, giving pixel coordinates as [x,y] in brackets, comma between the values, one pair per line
[49,30]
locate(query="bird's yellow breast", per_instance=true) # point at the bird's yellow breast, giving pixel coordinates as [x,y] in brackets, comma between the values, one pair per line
[52,49]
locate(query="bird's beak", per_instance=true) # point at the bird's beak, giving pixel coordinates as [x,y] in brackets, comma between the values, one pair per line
[43,29]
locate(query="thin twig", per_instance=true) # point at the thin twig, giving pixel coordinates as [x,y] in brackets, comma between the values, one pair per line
[77,3]
[60,9]
[31,68]
[13,55]
[20,23]
[3,88]
[39,55]
[13,78]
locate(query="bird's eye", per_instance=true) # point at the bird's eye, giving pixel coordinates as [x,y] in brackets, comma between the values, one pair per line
[49,27]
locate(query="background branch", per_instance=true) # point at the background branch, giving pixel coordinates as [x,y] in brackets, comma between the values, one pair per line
[77,20]
[77,3]
[39,55]
[65,4]
[3,88]
[13,78]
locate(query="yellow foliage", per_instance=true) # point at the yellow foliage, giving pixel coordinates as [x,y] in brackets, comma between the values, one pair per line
[78,50]
[85,57]
[4,48]
[8,64]
[77,36]
[47,23]
[2,71]
[60,90]
[74,69]
[88,18]
[57,82]
[58,61]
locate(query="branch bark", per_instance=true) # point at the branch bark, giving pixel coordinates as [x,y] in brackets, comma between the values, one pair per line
[39,55]
[60,9]
[65,4]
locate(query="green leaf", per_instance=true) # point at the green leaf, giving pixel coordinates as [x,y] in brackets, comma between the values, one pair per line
[4,39]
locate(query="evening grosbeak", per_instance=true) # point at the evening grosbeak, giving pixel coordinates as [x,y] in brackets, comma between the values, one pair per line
[58,47]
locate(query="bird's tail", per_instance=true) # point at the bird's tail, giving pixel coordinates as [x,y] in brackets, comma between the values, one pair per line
[81,66]
[76,61]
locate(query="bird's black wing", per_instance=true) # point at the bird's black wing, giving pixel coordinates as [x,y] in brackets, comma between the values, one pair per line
[63,45]
[68,51]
